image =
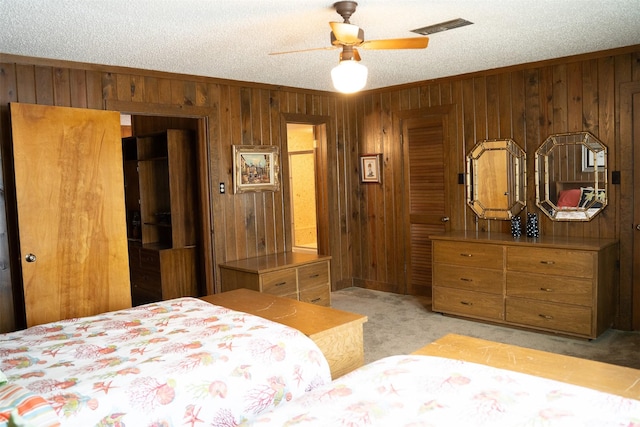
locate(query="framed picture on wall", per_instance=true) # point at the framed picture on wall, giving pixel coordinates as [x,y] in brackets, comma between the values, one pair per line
[370,168]
[592,160]
[256,168]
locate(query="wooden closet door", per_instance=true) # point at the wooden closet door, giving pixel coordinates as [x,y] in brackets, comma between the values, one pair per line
[426,168]
[69,194]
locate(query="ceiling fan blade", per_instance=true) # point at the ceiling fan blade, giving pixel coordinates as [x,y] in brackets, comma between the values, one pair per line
[346,33]
[407,43]
[304,50]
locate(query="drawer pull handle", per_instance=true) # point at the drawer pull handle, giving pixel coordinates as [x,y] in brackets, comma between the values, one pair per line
[313,275]
[546,316]
[467,255]
[281,283]
[547,262]
[464,279]
[546,289]
[315,300]
[466,303]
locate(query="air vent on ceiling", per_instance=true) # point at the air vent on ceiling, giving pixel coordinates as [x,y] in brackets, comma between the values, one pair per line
[443,26]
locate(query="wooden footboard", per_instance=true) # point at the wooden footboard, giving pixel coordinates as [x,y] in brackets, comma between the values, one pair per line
[338,334]
[613,379]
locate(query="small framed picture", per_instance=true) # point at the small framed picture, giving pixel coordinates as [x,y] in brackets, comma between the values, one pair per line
[370,168]
[256,168]
[592,160]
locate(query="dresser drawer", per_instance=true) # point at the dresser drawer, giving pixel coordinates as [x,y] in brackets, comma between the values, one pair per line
[557,262]
[145,286]
[468,254]
[550,288]
[473,279]
[320,295]
[149,280]
[558,317]
[134,256]
[150,259]
[142,296]
[468,303]
[282,282]
[313,275]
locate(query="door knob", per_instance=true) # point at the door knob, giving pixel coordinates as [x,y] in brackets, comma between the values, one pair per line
[30,258]
[638,227]
[444,219]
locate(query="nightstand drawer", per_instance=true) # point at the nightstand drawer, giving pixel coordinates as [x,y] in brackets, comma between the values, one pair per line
[281,282]
[560,289]
[468,303]
[472,279]
[312,275]
[558,317]
[468,254]
[320,295]
[551,261]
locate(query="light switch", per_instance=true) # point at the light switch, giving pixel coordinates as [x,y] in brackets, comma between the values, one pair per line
[222,188]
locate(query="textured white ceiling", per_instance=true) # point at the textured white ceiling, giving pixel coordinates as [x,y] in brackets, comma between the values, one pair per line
[231,39]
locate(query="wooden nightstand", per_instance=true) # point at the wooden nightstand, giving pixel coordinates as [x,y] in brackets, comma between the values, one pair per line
[301,276]
[337,333]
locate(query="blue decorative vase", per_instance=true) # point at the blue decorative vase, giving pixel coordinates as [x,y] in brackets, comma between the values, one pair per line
[533,228]
[516,226]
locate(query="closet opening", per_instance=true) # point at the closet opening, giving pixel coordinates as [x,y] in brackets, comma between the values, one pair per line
[163,207]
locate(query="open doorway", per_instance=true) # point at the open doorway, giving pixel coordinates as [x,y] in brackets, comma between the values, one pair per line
[301,144]
[162,187]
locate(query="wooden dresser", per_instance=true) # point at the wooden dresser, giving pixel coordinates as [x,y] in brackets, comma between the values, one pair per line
[564,285]
[160,273]
[301,276]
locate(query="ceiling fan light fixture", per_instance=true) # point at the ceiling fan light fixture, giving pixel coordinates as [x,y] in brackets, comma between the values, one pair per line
[349,76]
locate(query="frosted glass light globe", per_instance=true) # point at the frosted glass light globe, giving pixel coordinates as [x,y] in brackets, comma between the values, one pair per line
[349,76]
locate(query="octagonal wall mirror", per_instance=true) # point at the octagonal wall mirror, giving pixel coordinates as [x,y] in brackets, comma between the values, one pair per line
[496,179]
[571,176]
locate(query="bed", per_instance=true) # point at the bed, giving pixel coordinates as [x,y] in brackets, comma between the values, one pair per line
[573,197]
[182,362]
[456,381]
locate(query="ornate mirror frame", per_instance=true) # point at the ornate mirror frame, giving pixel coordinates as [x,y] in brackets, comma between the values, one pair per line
[571,176]
[496,179]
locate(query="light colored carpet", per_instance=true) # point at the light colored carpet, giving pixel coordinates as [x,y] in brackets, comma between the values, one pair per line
[400,324]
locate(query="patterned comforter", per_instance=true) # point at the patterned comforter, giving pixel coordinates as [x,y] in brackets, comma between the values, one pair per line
[432,391]
[181,362]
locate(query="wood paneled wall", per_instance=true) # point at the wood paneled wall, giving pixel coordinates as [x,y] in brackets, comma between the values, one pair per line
[525,103]
[231,113]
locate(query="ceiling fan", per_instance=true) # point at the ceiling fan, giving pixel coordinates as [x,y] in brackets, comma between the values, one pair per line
[351,76]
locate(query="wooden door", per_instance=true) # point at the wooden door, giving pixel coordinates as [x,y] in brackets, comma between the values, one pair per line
[322,197]
[69,198]
[628,310]
[635,138]
[427,205]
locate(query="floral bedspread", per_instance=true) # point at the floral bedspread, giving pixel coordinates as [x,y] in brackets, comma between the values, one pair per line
[433,391]
[181,362]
